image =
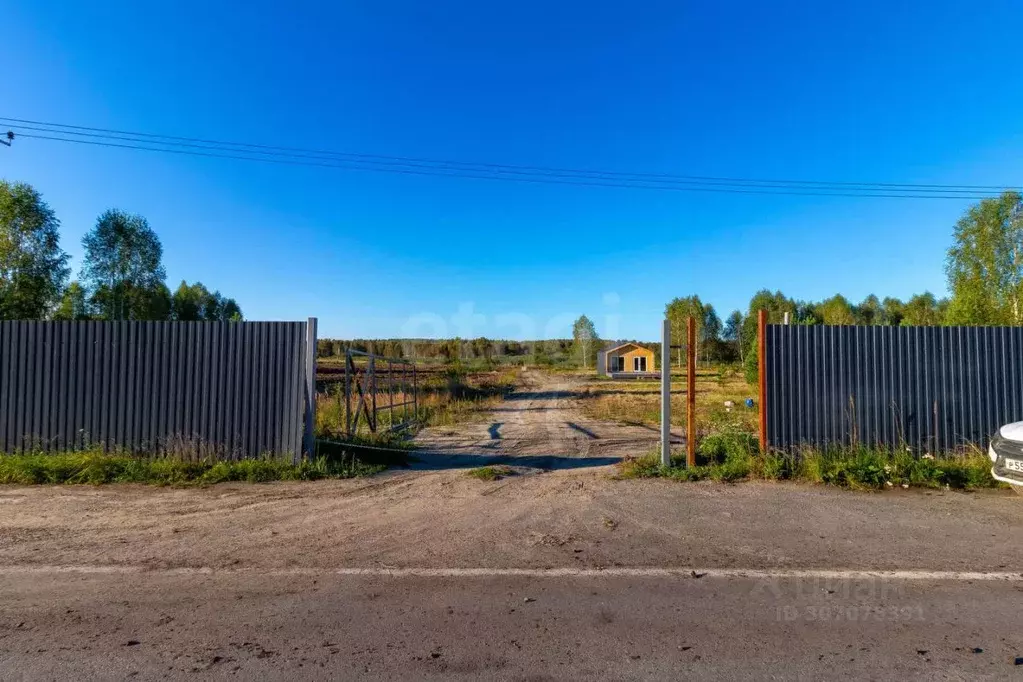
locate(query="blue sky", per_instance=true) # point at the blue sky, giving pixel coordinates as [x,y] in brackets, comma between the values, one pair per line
[874,91]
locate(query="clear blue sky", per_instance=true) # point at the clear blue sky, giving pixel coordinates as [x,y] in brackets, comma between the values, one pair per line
[877,91]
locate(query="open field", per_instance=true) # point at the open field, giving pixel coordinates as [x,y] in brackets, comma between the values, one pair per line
[639,401]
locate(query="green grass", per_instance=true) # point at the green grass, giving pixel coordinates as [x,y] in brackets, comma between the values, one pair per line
[733,455]
[490,473]
[97,467]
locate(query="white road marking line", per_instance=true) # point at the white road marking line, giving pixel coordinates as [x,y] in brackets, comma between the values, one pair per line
[618,572]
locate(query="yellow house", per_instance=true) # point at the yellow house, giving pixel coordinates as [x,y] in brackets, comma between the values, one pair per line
[628,359]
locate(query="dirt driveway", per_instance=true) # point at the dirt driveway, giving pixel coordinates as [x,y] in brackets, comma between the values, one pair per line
[540,426]
[565,573]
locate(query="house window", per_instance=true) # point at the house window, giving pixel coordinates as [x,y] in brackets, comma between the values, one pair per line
[618,364]
[639,364]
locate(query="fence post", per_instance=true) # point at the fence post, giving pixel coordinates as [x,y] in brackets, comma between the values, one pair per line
[665,393]
[349,371]
[762,375]
[309,438]
[691,392]
[373,392]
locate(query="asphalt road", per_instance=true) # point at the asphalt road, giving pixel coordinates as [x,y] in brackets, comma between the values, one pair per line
[63,625]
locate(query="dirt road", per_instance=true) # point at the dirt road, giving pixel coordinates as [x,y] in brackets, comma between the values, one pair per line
[565,574]
[538,427]
[421,575]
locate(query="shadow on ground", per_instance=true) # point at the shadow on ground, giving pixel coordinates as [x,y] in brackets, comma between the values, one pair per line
[434,461]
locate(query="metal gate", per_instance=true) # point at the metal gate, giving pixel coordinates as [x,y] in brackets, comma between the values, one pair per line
[376,386]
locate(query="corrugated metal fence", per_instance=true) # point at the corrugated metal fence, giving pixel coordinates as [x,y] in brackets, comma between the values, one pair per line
[931,388]
[220,389]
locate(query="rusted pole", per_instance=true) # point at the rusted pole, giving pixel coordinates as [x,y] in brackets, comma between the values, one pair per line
[666,394]
[691,392]
[762,373]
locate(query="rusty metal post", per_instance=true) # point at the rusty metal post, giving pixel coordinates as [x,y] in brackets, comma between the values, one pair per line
[665,393]
[691,392]
[762,375]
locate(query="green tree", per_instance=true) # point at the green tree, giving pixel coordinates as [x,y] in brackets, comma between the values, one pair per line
[985,263]
[194,302]
[923,309]
[893,310]
[807,312]
[678,311]
[74,304]
[482,347]
[451,350]
[776,304]
[869,311]
[584,337]
[733,333]
[155,304]
[710,346]
[837,310]
[711,324]
[230,311]
[33,267]
[123,268]
[187,302]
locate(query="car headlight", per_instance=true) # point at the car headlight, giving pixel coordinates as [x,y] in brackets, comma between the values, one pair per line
[1004,447]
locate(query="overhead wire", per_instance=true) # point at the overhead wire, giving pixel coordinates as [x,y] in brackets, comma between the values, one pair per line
[297,156]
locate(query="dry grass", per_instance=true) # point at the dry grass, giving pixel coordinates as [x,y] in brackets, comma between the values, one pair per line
[444,399]
[639,402]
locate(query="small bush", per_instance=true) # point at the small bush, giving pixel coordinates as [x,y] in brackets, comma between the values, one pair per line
[775,466]
[490,473]
[733,456]
[734,443]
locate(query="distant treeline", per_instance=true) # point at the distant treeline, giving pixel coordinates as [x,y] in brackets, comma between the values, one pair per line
[451,350]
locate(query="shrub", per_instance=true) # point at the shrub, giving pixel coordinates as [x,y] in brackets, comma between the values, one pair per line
[730,455]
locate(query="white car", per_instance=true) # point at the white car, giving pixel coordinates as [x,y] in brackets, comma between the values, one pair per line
[1006,453]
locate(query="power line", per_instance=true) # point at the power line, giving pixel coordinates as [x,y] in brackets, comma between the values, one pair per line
[547,180]
[160,138]
[297,156]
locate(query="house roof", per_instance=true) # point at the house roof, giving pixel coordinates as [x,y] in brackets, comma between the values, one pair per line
[624,345]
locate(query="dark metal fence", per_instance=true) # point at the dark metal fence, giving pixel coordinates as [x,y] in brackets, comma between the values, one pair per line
[930,388]
[376,385]
[221,389]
